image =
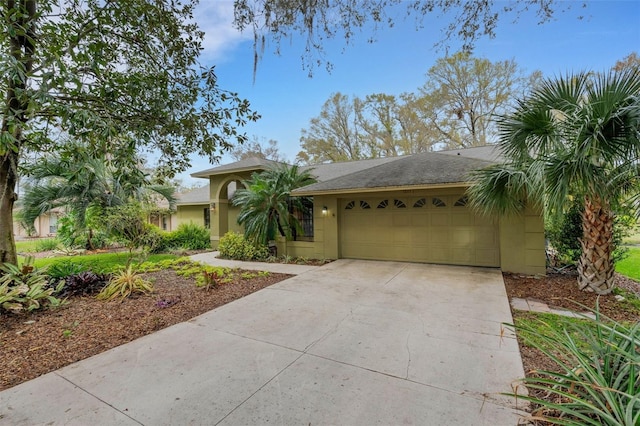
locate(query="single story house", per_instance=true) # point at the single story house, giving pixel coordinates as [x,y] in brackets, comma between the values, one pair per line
[411,208]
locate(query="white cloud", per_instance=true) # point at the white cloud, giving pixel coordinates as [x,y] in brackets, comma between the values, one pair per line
[215,18]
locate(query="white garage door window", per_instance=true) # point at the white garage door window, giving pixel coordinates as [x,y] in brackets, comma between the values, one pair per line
[433,229]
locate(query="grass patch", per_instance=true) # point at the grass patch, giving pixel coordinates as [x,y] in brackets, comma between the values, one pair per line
[634,238]
[99,263]
[630,266]
[36,245]
[542,324]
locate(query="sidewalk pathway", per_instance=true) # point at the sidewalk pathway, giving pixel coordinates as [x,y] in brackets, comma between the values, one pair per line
[211,258]
[538,306]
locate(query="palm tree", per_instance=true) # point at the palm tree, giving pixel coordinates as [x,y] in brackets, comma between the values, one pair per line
[80,182]
[574,136]
[265,204]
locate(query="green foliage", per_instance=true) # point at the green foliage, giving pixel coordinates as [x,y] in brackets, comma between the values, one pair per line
[47,244]
[101,263]
[265,204]
[125,283]
[25,288]
[234,246]
[63,269]
[630,266]
[119,77]
[565,231]
[83,283]
[189,236]
[127,224]
[598,378]
[36,245]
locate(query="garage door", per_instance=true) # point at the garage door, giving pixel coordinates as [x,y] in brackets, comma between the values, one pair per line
[432,229]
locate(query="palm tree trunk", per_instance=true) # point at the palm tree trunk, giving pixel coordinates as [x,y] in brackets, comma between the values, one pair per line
[596,267]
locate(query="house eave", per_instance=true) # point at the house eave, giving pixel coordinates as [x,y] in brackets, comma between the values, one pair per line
[302,192]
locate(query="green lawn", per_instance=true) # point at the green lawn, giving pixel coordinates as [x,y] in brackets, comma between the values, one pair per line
[634,238]
[631,265]
[33,245]
[99,263]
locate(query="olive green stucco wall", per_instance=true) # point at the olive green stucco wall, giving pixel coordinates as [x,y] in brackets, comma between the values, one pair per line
[519,238]
[191,214]
[522,243]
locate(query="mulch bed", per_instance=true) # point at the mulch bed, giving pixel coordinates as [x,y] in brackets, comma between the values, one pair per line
[35,344]
[561,291]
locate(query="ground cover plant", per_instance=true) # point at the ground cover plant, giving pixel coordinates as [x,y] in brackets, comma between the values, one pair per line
[557,350]
[42,341]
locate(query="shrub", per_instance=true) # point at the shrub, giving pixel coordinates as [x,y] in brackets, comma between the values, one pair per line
[189,236]
[63,269]
[46,244]
[598,382]
[235,246]
[84,283]
[123,284]
[25,288]
[564,233]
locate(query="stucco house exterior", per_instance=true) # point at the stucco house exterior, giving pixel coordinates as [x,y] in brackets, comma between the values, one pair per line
[411,208]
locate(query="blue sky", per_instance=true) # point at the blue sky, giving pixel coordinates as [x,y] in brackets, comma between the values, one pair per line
[287,98]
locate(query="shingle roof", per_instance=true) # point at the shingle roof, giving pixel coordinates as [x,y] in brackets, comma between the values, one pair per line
[431,168]
[251,163]
[195,196]
[487,152]
[328,171]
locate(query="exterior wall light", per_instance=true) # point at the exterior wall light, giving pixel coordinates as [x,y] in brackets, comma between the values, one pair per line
[212,207]
[324,210]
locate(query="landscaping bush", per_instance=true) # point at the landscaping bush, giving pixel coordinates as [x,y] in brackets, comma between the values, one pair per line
[84,283]
[189,236]
[235,246]
[123,284]
[25,288]
[47,244]
[598,377]
[564,233]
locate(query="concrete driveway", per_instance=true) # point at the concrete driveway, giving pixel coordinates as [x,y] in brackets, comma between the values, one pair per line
[352,342]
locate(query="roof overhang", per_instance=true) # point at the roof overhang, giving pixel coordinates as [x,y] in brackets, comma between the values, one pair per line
[206,174]
[301,191]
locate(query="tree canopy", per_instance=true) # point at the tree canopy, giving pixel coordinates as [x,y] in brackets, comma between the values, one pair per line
[455,108]
[576,136]
[322,20]
[120,76]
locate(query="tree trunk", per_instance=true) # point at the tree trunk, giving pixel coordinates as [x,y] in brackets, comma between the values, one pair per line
[21,48]
[8,180]
[596,267]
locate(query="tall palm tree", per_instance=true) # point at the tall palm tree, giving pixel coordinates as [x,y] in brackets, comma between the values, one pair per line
[81,182]
[265,204]
[574,136]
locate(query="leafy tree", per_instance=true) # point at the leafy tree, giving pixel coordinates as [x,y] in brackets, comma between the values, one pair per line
[334,135]
[630,61]
[319,21]
[79,182]
[265,203]
[463,94]
[577,135]
[255,148]
[454,109]
[117,75]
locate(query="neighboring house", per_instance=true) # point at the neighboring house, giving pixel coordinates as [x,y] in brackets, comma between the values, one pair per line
[46,225]
[411,208]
